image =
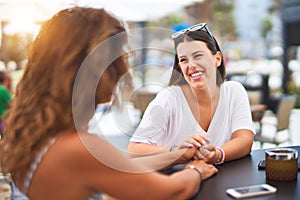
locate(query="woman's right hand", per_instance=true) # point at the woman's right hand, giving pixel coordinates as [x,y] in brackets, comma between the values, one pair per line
[207,169]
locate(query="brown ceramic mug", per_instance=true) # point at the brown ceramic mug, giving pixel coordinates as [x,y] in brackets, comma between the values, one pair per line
[281,164]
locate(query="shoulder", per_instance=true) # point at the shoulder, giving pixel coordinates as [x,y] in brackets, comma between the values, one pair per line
[73,153]
[77,143]
[84,149]
[234,90]
[77,158]
[165,103]
[70,144]
[170,91]
[234,87]
[63,162]
[168,95]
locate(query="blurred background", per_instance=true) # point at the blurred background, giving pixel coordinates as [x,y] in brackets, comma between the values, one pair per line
[259,39]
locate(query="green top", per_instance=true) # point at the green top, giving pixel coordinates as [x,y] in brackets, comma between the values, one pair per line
[5,98]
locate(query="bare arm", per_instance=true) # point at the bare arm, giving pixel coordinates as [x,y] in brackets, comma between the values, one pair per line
[168,159]
[114,174]
[239,145]
[180,185]
[136,149]
[160,157]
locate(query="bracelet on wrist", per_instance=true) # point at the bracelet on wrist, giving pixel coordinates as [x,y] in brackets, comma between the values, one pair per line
[197,170]
[223,156]
[172,148]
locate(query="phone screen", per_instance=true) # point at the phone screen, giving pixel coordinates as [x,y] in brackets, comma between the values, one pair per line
[251,189]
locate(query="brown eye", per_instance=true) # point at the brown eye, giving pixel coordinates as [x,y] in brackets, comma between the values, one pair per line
[197,55]
[182,60]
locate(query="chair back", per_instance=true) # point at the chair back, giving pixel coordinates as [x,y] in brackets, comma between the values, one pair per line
[285,107]
[141,99]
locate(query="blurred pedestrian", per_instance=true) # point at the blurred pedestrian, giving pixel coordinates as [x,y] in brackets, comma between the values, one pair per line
[5,96]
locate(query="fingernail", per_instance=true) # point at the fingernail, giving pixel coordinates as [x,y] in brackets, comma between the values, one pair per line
[190,145]
[198,144]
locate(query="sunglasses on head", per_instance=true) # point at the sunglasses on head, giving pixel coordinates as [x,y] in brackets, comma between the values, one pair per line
[196,27]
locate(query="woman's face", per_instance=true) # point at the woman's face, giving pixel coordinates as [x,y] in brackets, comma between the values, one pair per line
[198,64]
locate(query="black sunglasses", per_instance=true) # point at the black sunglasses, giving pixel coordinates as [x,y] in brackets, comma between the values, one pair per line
[196,27]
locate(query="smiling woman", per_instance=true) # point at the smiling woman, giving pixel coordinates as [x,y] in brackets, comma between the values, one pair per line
[199,108]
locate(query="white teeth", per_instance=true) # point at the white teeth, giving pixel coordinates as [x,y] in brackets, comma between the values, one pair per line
[197,74]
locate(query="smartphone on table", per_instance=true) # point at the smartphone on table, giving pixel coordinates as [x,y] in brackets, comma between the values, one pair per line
[251,191]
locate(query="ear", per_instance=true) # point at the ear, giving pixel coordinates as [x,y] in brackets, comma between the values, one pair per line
[218,58]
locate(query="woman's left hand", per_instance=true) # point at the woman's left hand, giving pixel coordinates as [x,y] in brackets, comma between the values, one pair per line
[208,153]
[203,151]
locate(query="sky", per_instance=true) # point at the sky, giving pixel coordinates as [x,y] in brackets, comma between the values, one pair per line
[130,10]
[24,15]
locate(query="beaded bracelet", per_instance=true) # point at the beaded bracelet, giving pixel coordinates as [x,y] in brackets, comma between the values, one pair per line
[197,169]
[223,156]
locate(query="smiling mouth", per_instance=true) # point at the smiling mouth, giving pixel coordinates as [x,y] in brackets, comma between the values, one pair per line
[196,74]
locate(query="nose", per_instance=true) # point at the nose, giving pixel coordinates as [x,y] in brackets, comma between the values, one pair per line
[191,63]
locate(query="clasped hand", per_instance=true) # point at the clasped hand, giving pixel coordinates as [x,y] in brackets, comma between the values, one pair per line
[204,149]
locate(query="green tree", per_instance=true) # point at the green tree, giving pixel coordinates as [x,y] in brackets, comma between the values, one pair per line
[223,19]
[266,26]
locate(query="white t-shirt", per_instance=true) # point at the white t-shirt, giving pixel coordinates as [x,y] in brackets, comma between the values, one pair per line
[168,119]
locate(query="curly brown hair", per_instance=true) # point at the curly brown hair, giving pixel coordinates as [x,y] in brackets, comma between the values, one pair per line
[44,102]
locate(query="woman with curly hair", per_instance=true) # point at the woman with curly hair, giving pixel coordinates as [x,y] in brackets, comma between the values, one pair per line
[74,64]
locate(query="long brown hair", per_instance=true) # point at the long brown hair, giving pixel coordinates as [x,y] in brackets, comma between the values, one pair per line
[43,105]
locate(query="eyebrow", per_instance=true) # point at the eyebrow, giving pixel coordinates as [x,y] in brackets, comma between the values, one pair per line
[198,51]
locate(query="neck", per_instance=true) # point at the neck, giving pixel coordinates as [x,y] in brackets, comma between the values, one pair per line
[206,96]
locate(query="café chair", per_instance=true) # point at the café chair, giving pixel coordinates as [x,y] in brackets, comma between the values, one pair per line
[279,120]
[141,99]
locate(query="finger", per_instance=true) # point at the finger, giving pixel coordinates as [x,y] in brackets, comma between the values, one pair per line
[192,141]
[196,143]
[185,144]
[198,137]
[198,155]
[210,158]
[195,157]
[202,139]
[209,147]
[204,152]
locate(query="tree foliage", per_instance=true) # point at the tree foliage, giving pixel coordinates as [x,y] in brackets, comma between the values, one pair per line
[223,19]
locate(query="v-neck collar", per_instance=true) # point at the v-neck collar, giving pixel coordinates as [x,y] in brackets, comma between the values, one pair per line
[190,113]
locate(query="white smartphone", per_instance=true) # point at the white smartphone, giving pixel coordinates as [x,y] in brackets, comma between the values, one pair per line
[251,191]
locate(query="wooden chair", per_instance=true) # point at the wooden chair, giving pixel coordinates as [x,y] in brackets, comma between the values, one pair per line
[141,99]
[281,122]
